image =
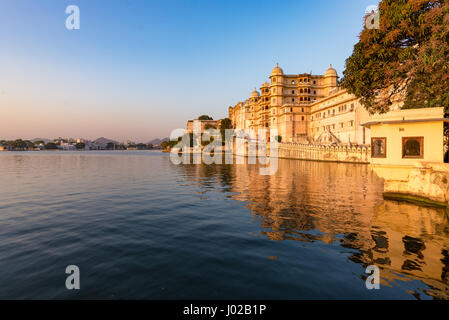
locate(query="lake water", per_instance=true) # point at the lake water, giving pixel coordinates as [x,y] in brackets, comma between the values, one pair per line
[141,227]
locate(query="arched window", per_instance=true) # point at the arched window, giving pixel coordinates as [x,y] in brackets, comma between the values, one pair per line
[300,91]
[412,147]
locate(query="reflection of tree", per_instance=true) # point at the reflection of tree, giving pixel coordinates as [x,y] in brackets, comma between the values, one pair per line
[412,241]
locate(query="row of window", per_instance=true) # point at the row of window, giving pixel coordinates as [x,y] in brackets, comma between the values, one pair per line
[267,108]
[293,91]
[344,107]
[333,126]
[274,119]
[333,111]
[305,80]
[287,110]
[301,99]
[288,118]
[412,147]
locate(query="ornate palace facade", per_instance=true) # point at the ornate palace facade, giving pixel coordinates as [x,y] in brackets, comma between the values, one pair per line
[304,108]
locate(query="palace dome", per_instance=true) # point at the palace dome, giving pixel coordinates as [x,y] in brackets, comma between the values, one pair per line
[331,72]
[255,94]
[277,71]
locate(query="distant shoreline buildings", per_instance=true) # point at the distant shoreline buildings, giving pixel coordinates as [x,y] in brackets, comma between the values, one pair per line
[70,144]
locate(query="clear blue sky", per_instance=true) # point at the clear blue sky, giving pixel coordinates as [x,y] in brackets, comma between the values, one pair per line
[139,68]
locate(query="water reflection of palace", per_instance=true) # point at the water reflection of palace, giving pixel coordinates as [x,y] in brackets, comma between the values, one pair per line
[414,241]
[330,202]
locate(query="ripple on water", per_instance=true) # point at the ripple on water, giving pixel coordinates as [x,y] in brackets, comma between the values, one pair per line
[139,226]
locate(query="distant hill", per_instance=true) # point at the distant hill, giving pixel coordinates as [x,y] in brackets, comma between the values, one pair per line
[41,139]
[158,141]
[104,140]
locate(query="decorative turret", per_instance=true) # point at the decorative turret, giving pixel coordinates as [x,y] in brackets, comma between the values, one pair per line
[330,78]
[255,94]
[277,71]
[331,72]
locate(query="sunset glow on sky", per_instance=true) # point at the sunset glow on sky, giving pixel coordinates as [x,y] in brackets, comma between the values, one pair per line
[139,69]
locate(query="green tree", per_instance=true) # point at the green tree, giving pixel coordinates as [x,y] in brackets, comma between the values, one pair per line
[226,123]
[142,146]
[408,56]
[19,144]
[80,146]
[51,146]
[29,144]
[209,126]
[171,143]
[164,144]
[205,117]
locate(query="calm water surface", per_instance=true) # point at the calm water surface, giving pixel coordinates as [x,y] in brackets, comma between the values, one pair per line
[141,227]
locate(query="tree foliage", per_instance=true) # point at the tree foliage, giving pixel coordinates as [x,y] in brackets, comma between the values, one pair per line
[226,124]
[80,146]
[209,126]
[407,57]
[18,144]
[51,146]
[205,117]
[172,143]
